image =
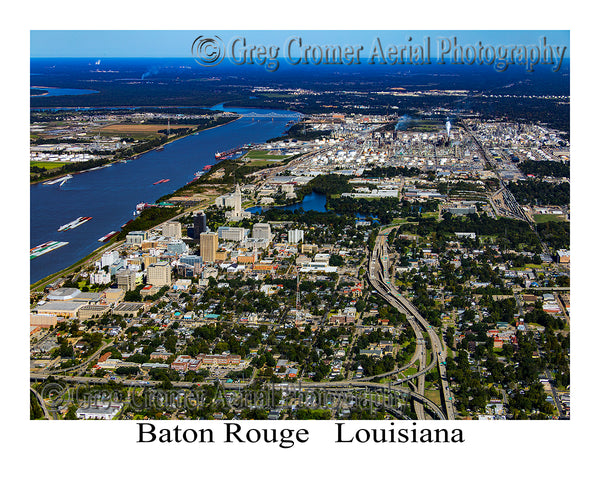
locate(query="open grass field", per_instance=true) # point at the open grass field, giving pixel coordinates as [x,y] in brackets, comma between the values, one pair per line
[47,165]
[434,396]
[264,155]
[136,130]
[543,218]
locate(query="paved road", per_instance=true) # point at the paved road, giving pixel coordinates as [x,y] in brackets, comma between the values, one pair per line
[42,404]
[332,386]
[378,276]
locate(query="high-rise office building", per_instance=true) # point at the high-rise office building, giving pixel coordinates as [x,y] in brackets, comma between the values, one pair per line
[172,229]
[159,274]
[125,279]
[262,231]
[208,246]
[237,202]
[109,258]
[199,224]
[295,236]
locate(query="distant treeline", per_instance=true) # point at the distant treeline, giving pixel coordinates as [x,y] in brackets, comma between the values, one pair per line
[175,131]
[538,192]
[510,233]
[52,115]
[179,121]
[149,218]
[117,93]
[330,184]
[545,168]
[385,209]
[303,132]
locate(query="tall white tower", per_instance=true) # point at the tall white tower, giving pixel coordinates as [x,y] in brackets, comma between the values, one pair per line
[237,202]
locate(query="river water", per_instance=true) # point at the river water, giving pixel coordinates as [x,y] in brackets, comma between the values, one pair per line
[110,195]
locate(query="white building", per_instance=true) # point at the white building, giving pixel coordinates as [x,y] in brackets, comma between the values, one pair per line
[172,229]
[262,231]
[100,277]
[295,236]
[225,201]
[373,194]
[159,274]
[232,234]
[177,247]
[288,189]
[109,258]
[136,238]
[233,200]
[99,412]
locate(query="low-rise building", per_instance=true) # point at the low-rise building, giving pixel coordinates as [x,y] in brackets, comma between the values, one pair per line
[88,311]
[99,412]
[128,308]
[136,238]
[60,309]
[43,320]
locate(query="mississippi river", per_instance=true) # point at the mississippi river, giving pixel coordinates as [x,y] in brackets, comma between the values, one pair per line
[110,195]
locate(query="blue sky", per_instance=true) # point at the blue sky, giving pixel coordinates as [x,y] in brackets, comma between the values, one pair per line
[177,43]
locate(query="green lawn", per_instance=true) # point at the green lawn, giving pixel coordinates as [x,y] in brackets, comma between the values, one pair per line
[543,218]
[264,155]
[47,165]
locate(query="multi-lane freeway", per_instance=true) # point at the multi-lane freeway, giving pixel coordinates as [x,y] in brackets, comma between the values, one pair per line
[379,278]
[334,387]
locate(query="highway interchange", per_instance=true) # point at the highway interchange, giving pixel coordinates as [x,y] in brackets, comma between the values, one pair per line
[379,279]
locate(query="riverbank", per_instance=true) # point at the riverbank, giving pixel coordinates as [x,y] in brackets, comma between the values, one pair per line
[134,156]
[97,253]
[110,195]
[40,284]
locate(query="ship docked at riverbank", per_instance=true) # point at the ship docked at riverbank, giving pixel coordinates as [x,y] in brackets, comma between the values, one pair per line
[60,180]
[110,195]
[228,153]
[108,236]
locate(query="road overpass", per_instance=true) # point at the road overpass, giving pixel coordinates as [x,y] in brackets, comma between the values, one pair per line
[379,278]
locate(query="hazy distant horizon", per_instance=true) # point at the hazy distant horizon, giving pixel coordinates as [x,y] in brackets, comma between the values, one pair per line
[101,44]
